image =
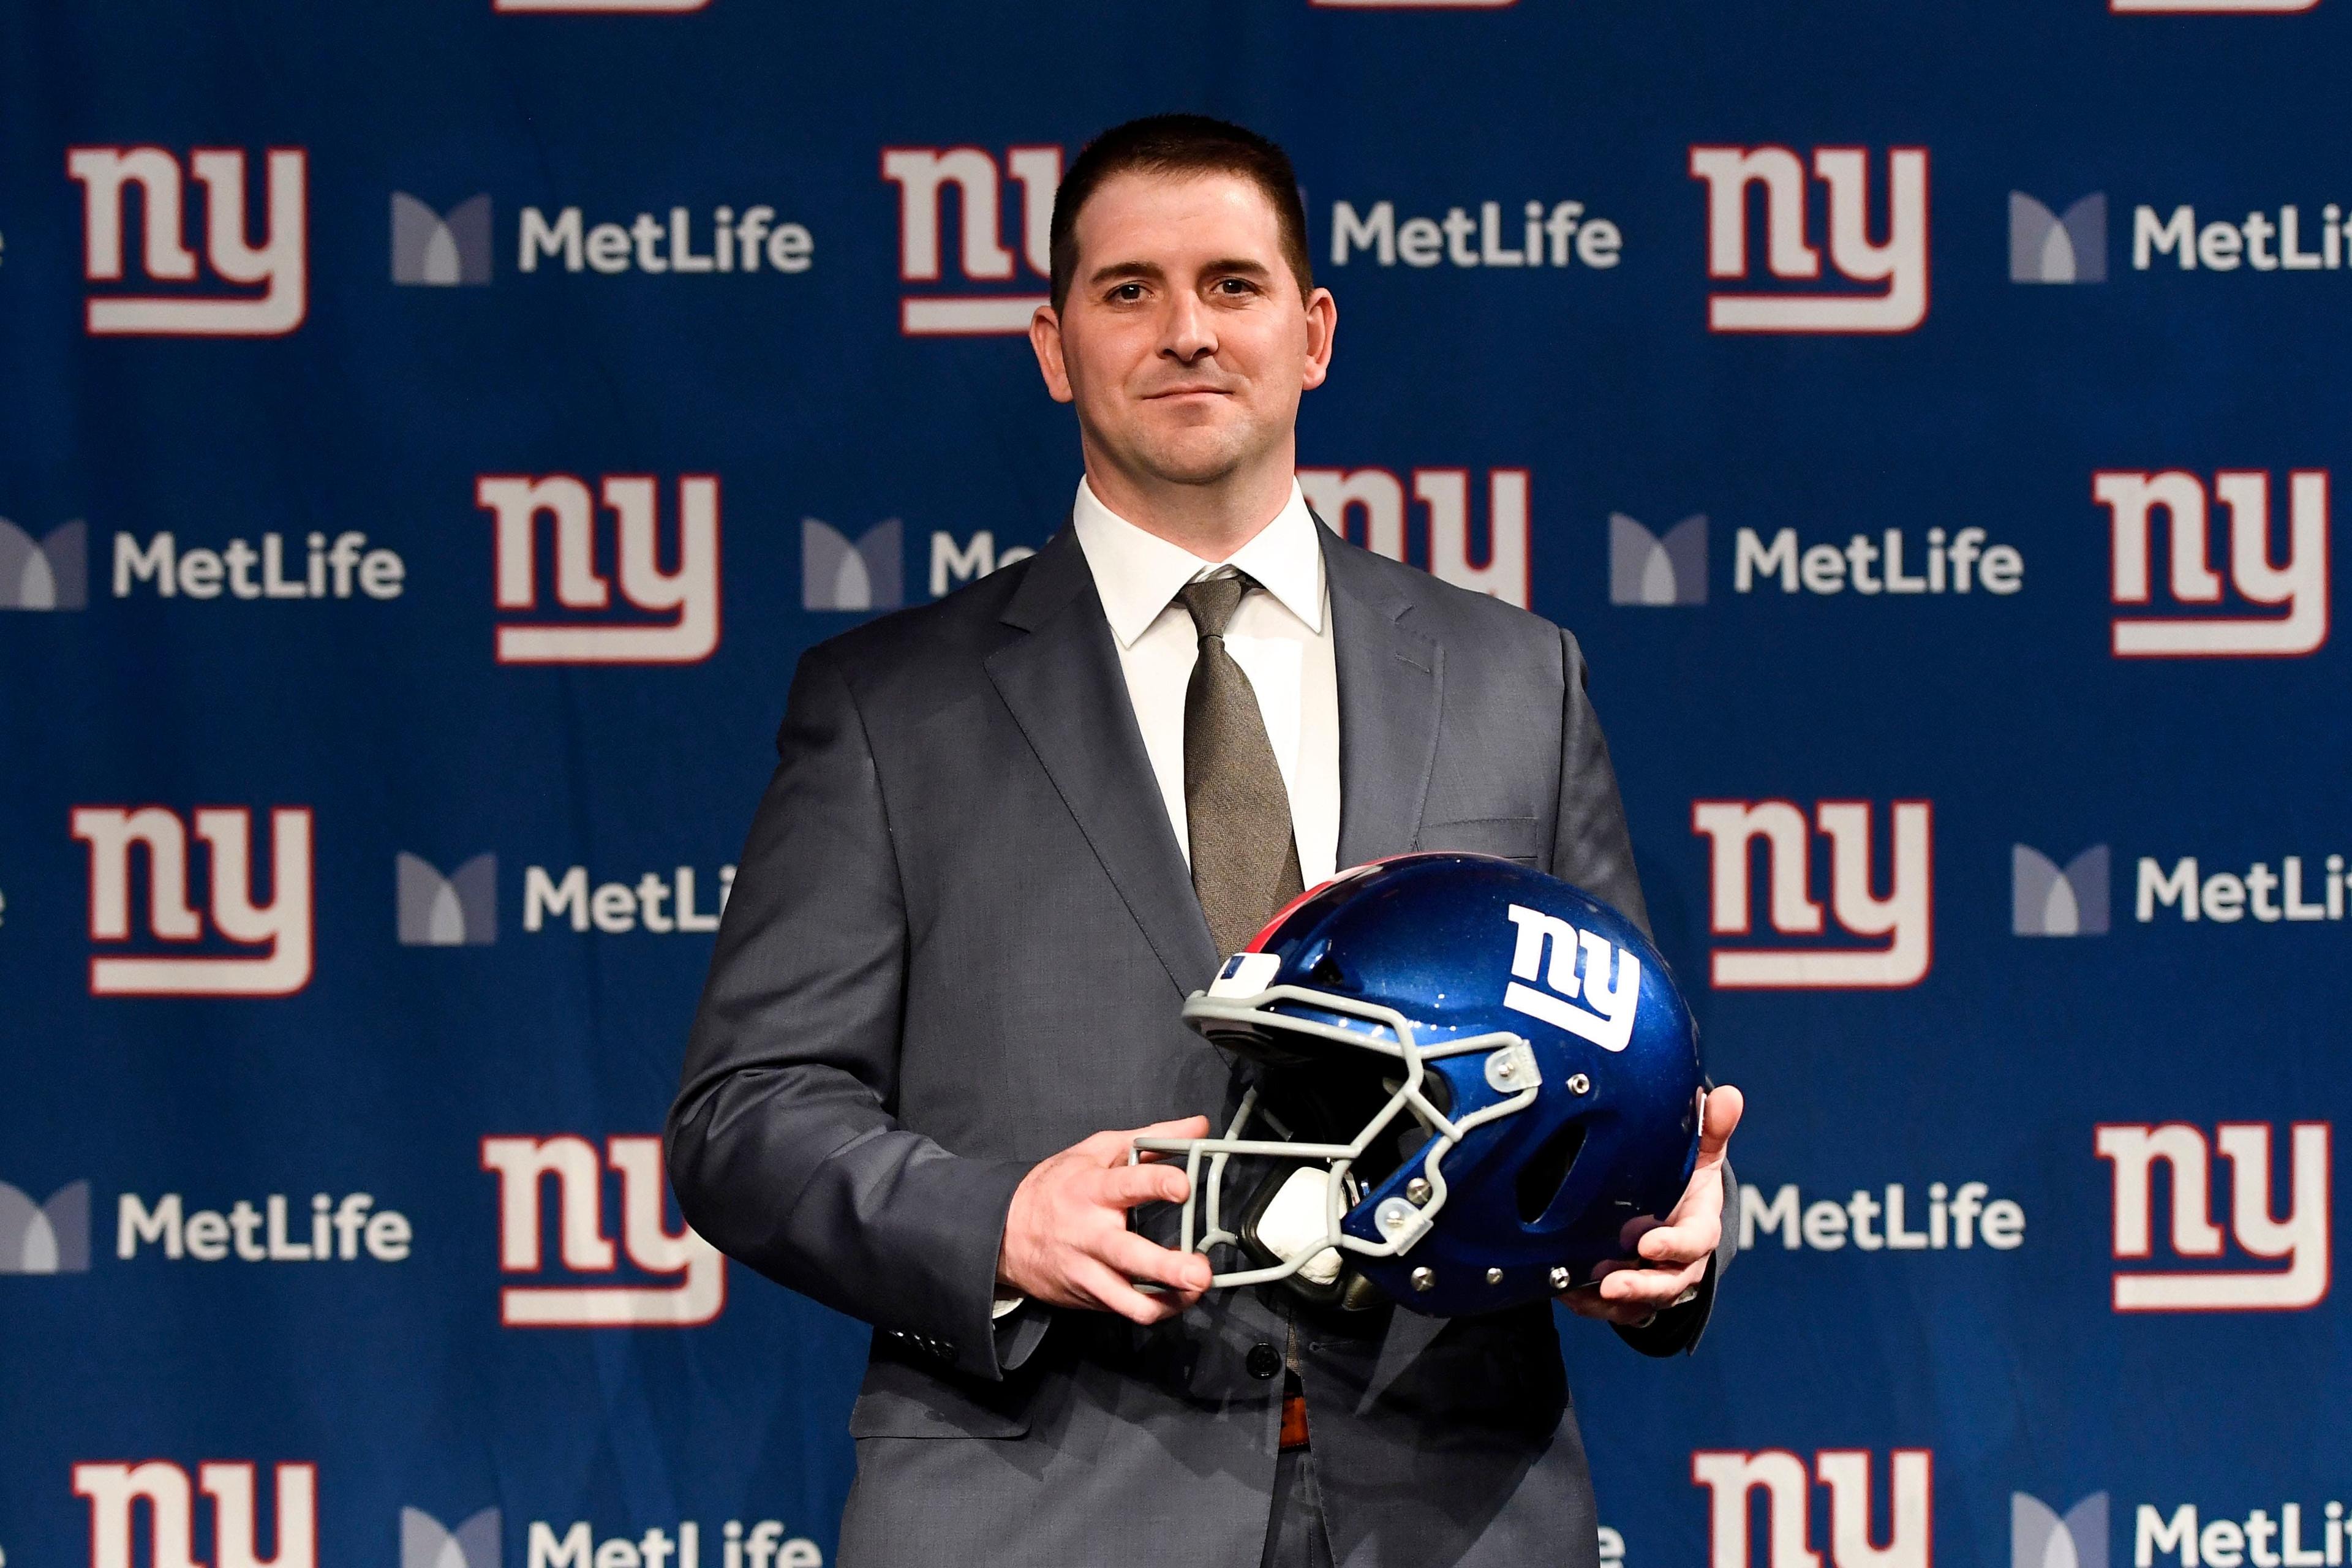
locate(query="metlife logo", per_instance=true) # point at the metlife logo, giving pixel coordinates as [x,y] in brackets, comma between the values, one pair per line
[1559,236]
[1671,568]
[2310,888]
[1956,1216]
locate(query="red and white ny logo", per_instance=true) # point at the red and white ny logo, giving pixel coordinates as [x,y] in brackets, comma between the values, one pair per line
[227,305]
[1377,496]
[686,600]
[1894,272]
[2301,1237]
[697,1272]
[2300,583]
[922,175]
[280,927]
[1730,1477]
[1903,918]
[113,1491]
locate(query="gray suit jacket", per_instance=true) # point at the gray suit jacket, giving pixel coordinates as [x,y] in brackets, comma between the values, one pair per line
[958,944]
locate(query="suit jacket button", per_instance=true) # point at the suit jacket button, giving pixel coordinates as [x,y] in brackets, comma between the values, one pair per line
[1263,1360]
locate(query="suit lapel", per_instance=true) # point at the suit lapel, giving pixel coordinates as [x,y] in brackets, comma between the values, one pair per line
[1389,682]
[1065,688]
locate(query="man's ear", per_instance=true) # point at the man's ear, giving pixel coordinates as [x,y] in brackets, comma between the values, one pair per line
[1322,327]
[1046,340]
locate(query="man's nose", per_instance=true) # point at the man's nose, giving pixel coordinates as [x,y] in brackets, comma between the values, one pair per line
[1186,335]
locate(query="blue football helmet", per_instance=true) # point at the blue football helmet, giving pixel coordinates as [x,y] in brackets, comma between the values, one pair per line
[1481,1085]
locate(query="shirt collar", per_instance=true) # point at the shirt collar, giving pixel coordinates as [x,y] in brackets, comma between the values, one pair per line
[1136,572]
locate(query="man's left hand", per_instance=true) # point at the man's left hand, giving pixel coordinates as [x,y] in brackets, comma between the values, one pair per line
[1672,1257]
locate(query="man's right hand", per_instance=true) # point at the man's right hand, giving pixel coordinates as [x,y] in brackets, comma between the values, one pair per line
[1066,1237]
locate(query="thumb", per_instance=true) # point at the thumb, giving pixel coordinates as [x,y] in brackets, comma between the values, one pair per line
[1719,1116]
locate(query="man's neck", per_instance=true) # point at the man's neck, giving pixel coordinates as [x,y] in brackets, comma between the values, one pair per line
[1211,520]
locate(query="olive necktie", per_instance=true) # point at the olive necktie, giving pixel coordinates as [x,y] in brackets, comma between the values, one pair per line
[1236,812]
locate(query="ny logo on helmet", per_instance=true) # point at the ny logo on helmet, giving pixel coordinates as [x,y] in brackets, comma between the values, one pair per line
[1609,1022]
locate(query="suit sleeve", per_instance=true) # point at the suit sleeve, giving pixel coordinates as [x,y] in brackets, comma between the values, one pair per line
[783,1147]
[1592,848]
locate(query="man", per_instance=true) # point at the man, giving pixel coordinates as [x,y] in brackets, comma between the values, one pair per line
[1011,831]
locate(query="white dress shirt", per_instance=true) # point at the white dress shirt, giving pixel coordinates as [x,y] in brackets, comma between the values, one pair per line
[1281,637]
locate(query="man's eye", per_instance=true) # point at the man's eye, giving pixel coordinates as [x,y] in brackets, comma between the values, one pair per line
[1127,293]
[1236,286]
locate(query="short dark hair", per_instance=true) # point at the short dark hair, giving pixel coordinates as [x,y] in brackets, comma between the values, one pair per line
[1180,144]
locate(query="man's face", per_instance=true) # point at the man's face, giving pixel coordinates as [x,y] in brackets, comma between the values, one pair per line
[1183,342]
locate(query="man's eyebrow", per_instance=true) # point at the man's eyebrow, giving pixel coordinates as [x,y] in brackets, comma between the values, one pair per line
[1152,272]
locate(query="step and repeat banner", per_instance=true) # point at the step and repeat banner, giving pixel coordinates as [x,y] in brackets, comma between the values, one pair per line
[433,431]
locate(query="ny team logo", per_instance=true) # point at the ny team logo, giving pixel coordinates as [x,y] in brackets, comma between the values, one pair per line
[869,573]
[2299,1239]
[2040,1538]
[1538,986]
[1646,568]
[2299,583]
[460,909]
[249,292]
[426,1543]
[2045,900]
[683,601]
[115,1491]
[1894,944]
[983,303]
[440,249]
[268,943]
[51,572]
[52,1237]
[1377,496]
[1889,277]
[2049,247]
[695,1274]
[1731,1477]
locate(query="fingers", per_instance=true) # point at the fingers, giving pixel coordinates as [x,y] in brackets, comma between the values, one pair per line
[1113,1294]
[1697,1228]
[1124,1186]
[1134,1257]
[1586,1301]
[1112,1148]
[1653,1290]
[1717,1117]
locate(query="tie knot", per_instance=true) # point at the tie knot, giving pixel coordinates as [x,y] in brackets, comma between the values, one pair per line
[1211,601]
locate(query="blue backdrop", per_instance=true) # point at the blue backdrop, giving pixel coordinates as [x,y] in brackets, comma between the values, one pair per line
[433,432]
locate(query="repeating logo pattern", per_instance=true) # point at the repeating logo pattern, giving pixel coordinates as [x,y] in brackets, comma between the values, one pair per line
[256,647]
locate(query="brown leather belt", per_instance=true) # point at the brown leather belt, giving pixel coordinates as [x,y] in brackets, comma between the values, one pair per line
[1294,1421]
